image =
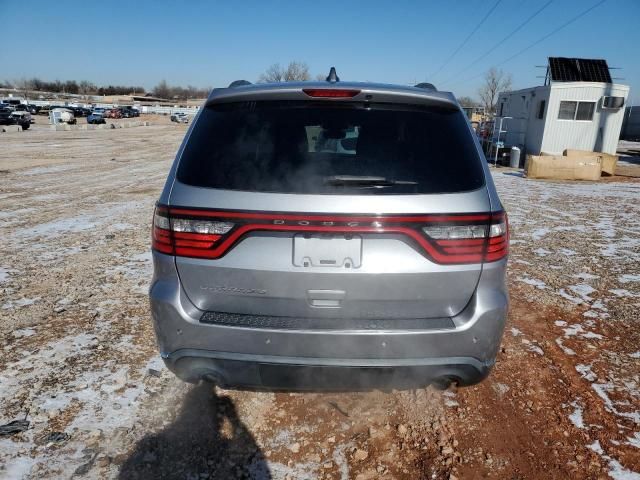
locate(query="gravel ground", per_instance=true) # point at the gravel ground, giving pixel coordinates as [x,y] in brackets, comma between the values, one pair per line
[79,360]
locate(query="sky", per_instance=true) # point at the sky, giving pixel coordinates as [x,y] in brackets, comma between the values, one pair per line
[210,44]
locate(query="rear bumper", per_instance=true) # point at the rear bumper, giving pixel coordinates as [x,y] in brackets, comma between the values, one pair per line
[317,359]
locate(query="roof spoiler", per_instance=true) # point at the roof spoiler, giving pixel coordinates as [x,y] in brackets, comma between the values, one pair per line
[427,86]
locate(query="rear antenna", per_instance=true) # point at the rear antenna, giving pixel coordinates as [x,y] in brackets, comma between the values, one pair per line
[333,76]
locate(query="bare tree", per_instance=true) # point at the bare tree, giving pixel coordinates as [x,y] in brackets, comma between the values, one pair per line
[495,81]
[85,87]
[295,72]
[467,102]
[274,73]
[162,90]
[24,85]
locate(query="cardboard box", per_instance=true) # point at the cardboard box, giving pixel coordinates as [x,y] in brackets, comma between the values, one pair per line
[609,161]
[556,167]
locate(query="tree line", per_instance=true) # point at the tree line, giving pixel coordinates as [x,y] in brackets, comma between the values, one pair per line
[31,85]
[494,82]
[74,87]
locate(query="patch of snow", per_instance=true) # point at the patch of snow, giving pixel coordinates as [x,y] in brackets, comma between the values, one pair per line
[18,467]
[567,252]
[635,355]
[635,440]
[599,305]
[565,349]
[585,276]
[59,227]
[618,472]
[21,302]
[522,262]
[563,293]
[515,332]
[539,233]
[576,416]
[501,389]
[560,323]
[582,290]
[542,252]
[532,347]
[596,447]
[603,389]
[4,274]
[622,292]
[536,349]
[586,373]
[24,332]
[533,282]
[40,170]
[576,330]
[626,278]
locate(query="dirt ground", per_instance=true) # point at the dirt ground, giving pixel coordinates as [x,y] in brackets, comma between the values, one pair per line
[79,360]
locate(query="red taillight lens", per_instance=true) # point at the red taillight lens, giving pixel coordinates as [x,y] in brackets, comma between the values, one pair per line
[498,240]
[330,92]
[189,237]
[161,236]
[445,239]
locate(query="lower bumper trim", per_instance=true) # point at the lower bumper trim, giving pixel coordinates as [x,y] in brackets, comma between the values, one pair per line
[233,370]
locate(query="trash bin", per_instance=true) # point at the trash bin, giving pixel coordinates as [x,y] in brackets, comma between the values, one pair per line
[514,159]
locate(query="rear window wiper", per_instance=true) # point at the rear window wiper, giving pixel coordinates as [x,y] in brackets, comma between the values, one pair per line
[364,181]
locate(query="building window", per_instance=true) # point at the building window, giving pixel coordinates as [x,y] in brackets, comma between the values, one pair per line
[541,106]
[585,110]
[501,109]
[576,110]
[612,102]
[567,110]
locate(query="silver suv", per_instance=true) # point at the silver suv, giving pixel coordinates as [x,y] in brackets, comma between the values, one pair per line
[329,235]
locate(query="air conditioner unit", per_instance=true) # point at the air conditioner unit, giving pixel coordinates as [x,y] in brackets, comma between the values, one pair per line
[612,102]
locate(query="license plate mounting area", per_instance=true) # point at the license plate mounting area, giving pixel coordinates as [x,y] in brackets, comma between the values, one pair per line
[330,251]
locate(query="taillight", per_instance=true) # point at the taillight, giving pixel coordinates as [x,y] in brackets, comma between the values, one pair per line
[498,240]
[445,239]
[189,237]
[474,243]
[330,92]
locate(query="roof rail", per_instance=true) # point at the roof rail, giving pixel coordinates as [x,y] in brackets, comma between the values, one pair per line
[426,86]
[239,83]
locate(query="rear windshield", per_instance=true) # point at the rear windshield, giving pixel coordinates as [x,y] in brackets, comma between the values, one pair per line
[321,148]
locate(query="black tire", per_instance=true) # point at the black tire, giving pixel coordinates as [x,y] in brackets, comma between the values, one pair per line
[25,126]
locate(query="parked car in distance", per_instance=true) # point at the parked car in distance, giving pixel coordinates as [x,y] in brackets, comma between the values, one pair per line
[129,112]
[95,118]
[9,116]
[25,107]
[80,111]
[179,117]
[282,263]
[113,113]
[6,117]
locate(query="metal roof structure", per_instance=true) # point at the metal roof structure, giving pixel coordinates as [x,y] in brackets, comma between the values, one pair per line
[562,69]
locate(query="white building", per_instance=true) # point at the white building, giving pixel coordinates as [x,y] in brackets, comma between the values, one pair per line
[579,107]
